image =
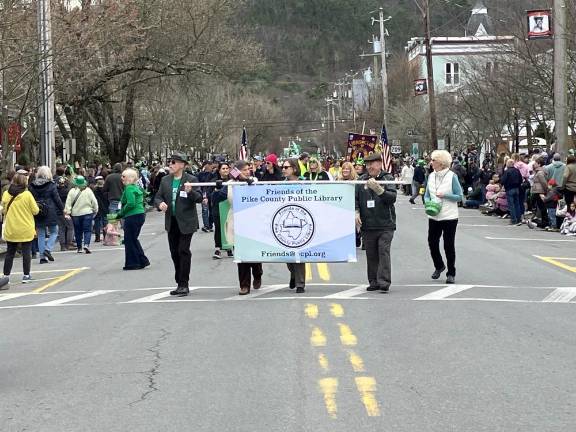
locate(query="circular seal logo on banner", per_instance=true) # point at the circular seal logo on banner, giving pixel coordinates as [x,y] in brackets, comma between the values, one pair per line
[293,226]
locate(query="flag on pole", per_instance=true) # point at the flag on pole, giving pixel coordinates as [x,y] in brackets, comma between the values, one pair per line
[243,153]
[386,155]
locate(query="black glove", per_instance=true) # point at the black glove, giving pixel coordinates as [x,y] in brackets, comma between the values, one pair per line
[219,184]
[250,181]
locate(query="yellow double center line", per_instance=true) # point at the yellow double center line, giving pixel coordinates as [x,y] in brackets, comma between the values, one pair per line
[328,386]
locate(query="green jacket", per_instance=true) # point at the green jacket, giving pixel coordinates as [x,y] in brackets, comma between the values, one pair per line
[132,201]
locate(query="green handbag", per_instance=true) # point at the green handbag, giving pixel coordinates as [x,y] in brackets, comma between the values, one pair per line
[432,208]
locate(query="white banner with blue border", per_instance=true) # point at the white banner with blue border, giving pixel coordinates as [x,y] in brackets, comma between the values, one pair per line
[294,223]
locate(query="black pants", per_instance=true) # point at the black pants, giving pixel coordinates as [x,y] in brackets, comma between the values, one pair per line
[416,190]
[180,252]
[379,263]
[133,252]
[298,274]
[26,257]
[217,232]
[569,197]
[541,205]
[447,230]
[247,271]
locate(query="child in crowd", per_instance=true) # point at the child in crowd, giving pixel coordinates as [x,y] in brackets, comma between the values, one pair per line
[551,200]
[569,225]
[501,205]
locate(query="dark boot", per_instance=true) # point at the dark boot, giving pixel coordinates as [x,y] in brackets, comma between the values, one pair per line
[180,292]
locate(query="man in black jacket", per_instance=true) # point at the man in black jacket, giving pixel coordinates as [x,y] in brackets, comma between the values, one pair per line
[418,181]
[376,217]
[177,198]
[512,180]
[113,188]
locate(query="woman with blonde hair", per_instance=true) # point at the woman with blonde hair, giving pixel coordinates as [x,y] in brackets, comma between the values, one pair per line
[347,172]
[19,208]
[133,211]
[315,171]
[443,193]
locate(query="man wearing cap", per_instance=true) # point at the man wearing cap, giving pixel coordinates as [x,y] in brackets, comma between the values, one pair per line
[376,218]
[177,198]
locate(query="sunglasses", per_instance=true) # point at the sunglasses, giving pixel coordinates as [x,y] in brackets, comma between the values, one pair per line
[286,166]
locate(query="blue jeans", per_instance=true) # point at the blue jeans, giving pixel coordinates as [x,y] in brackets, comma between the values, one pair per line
[44,245]
[113,206]
[82,229]
[552,217]
[99,224]
[515,205]
[206,216]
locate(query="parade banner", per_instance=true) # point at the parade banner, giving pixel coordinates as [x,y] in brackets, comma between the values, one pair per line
[539,24]
[294,223]
[360,146]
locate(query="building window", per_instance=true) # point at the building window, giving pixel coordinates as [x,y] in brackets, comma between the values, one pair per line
[452,74]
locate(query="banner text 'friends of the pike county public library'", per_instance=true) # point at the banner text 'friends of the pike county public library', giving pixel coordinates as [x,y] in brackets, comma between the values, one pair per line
[294,223]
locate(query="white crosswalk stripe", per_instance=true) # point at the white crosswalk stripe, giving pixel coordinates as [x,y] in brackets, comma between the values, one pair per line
[561,295]
[320,291]
[66,300]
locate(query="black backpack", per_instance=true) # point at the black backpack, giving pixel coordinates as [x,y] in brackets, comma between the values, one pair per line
[43,207]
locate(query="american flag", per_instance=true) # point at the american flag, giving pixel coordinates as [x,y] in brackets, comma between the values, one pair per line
[243,153]
[386,155]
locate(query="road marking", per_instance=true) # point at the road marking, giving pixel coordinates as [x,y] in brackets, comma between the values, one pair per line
[555,261]
[323,271]
[107,249]
[317,339]
[487,225]
[346,336]
[560,295]
[323,362]
[329,388]
[73,298]
[529,239]
[308,272]
[11,296]
[59,280]
[367,388]
[361,289]
[151,298]
[311,311]
[445,292]
[336,310]
[356,361]
[53,271]
[257,293]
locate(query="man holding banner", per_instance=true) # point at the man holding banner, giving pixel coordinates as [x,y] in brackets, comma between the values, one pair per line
[376,217]
[177,198]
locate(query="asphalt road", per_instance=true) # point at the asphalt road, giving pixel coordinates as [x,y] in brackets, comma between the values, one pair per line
[88,347]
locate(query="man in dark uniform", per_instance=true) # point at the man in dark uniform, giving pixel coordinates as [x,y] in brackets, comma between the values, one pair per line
[177,199]
[376,217]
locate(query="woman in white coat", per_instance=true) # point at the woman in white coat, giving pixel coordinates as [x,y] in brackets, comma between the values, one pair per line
[443,188]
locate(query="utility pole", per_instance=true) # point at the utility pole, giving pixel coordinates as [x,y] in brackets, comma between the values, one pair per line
[381,20]
[430,68]
[424,8]
[47,141]
[560,84]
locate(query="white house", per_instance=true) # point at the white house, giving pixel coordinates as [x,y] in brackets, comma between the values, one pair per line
[452,57]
